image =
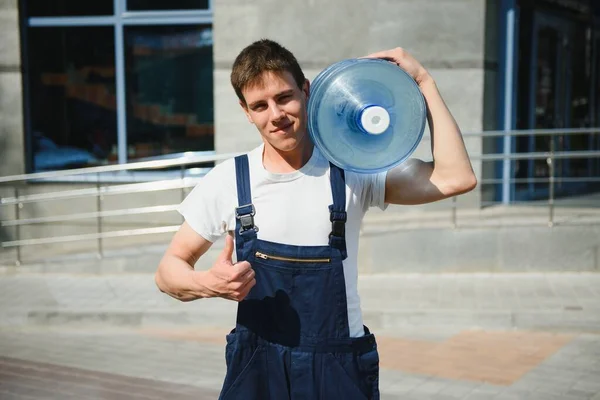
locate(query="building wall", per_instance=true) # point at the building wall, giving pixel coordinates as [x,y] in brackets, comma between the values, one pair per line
[12,159]
[448,36]
[319,33]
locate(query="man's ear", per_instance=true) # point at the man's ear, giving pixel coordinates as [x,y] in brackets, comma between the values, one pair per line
[245,108]
[306,88]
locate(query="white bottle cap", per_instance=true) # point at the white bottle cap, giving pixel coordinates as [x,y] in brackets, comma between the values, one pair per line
[375,120]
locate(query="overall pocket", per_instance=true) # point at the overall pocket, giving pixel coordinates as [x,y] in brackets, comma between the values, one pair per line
[368,364]
[342,379]
[246,376]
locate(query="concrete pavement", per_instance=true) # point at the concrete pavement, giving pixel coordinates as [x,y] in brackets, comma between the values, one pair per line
[545,301]
[120,364]
[533,336]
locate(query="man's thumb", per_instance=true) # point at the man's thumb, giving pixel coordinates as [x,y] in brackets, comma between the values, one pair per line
[227,252]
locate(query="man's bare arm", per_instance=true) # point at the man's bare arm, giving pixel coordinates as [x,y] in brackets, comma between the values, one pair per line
[177,277]
[450,173]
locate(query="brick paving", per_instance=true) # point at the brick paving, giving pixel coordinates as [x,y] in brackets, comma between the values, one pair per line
[499,358]
[35,380]
[184,363]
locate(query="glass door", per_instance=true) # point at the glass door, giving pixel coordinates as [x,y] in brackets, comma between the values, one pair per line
[550,78]
[562,93]
[595,120]
[549,91]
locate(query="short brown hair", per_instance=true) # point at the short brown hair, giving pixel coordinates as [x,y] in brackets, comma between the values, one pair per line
[261,56]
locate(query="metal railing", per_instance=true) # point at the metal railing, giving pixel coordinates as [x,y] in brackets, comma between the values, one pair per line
[183,180]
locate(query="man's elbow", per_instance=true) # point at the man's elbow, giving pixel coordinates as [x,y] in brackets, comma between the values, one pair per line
[457,184]
[158,281]
[463,184]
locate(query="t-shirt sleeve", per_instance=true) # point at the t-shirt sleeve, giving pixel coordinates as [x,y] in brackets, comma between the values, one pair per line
[378,190]
[370,188]
[208,208]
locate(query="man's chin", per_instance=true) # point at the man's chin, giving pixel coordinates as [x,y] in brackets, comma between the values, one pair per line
[287,144]
[287,147]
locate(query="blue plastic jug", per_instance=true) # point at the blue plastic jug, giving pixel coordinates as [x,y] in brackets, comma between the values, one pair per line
[366,115]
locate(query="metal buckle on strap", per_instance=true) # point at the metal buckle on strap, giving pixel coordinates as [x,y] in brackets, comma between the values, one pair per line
[338,228]
[338,223]
[246,218]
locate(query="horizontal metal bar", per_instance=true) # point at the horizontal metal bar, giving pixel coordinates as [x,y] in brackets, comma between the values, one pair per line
[541,207]
[175,162]
[182,161]
[535,132]
[176,184]
[91,236]
[538,132]
[531,132]
[128,176]
[537,156]
[540,180]
[175,19]
[72,21]
[169,17]
[198,159]
[103,191]
[101,214]
[174,13]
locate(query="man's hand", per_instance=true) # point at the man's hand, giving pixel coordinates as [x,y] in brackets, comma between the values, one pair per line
[228,280]
[404,60]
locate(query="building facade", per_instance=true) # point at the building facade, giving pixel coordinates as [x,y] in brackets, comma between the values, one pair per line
[117,81]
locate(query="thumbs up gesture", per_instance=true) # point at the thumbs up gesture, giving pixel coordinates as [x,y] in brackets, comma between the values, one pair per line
[228,280]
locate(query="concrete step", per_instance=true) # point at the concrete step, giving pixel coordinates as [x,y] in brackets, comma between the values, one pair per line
[392,248]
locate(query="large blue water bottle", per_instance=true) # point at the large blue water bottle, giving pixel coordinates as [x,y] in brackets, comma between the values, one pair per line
[366,115]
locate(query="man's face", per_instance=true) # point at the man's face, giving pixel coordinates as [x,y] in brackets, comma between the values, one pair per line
[277,107]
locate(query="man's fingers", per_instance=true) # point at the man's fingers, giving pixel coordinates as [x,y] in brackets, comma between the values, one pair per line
[250,275]
[386,55]
[244,290]
[241,268]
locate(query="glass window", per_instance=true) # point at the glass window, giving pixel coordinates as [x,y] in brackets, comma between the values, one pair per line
[150,5]
[596,96]
[73,106]
[64,8]
[169,75]
[581,113]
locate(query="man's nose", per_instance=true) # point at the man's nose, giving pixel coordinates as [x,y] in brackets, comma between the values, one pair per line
[276,113]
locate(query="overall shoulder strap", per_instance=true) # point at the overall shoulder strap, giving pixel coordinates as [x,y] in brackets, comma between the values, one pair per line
[337,211]
[245,229]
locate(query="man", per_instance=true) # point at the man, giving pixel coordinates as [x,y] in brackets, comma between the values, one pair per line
[296,220]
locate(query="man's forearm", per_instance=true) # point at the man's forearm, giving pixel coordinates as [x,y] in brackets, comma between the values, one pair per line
[451,161]
[178,279]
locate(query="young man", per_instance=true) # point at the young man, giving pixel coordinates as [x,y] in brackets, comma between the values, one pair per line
[296,221]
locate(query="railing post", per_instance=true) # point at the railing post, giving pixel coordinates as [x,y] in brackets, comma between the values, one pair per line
[18,207]
[99,218]
[550,162]
[182,183]
[454,224]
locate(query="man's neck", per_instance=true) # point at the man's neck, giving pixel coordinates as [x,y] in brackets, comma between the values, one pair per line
[281,162]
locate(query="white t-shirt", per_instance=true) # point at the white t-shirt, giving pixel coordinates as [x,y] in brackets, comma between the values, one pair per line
[291,208]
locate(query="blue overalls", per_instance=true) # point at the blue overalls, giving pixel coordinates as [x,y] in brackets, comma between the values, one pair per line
[292,339]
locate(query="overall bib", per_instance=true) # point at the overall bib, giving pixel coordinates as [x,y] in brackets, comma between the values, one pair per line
[291,339]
